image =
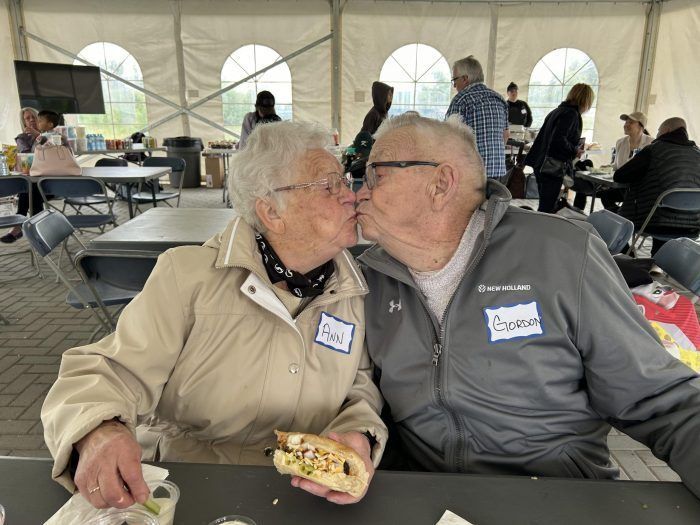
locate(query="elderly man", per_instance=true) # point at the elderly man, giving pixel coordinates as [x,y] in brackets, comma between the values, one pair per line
[671,161]
[505,341]
[483,110]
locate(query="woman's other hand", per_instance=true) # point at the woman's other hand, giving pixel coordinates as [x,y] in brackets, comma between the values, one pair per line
[359,443]
[109,470]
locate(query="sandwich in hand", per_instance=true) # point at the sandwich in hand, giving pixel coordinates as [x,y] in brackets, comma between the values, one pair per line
[322,460]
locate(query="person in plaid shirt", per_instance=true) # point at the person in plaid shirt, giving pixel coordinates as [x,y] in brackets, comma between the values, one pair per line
[483,110]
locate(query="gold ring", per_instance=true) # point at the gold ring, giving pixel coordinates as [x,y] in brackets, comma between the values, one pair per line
[92,491]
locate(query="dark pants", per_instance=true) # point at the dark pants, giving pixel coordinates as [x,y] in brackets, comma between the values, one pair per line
[666,230]
[23,202]
[580,200]
[549,188]
[610,199]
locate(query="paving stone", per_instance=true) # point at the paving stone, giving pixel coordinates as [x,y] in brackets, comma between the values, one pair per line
[43,369]
[649,459]
[10,413]
[665,474]
[39,360]
[12,372]
[633,465]
[19,384]
[15,427]
[6,399]
[624,443]
[30,395]
[31,453]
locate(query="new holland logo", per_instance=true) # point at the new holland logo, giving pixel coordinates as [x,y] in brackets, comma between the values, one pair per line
[503,288]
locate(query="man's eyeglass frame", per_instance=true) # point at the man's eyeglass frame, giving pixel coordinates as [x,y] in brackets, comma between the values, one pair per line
[370,178]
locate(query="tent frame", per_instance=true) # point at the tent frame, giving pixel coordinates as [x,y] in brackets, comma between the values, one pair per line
[21,52]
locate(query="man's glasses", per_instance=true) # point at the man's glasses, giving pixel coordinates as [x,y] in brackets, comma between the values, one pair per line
[454,80]
[333,182]
[370,178]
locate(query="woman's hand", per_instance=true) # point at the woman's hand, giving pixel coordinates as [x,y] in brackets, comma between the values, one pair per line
[109,470]
[359,443]
[31,131]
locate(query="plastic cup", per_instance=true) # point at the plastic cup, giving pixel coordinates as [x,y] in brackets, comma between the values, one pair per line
[166,494]
[25,162]
[2,515]
[125,516]
[233,519]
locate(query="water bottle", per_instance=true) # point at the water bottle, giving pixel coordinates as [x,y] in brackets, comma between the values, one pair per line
[88,137]
[4,169]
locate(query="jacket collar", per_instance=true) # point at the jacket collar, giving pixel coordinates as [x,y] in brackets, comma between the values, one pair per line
[679,136]
[496,204]
[237,247]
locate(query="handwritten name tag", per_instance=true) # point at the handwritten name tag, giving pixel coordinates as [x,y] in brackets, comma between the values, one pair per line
[334,333]
[514,321]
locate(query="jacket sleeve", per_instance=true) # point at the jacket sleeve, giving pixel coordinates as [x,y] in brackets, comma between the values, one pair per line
[632,381]
[635,169]
[361,409]
[121,376]
[372,121]
[528,120]
[246,129]
[565,136]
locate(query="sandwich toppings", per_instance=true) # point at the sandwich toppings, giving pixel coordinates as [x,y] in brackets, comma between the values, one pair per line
[310,458]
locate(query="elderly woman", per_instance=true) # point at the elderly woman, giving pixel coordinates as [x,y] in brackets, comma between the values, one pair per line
[261,328]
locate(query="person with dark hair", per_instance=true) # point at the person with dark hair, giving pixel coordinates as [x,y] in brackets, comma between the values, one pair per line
[382,95]
[518,111]
[557,144]
[48,120]
[264,113]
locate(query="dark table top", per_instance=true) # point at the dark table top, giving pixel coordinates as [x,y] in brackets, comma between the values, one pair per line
[210,491]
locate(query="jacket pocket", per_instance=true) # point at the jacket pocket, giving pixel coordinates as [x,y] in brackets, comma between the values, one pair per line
[572,463]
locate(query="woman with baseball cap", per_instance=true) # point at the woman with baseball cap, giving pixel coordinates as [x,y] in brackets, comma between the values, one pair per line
[264,112]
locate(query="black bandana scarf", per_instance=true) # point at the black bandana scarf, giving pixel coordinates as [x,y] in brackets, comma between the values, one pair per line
[308,285]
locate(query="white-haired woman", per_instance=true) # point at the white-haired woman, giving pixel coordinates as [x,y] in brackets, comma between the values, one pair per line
[261,328]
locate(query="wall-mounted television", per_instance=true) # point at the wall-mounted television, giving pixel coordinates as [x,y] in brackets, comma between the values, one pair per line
[59,87]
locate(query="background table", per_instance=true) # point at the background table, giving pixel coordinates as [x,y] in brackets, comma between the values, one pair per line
[129,176]
[406,498]
[225,155]
[158,229]
[600,182]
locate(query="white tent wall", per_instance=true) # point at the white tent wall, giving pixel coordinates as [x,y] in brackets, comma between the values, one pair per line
[213,29]
[144,29]
[674,88]
[372,31]
[9,102]
[611,34]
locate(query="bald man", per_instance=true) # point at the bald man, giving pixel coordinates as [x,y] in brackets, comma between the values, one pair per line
[505,341]
[671,161]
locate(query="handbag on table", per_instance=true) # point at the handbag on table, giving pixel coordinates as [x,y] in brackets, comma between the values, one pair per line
[52,160]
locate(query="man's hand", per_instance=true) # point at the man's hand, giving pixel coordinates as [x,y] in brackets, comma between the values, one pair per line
[110,462]
[359,443]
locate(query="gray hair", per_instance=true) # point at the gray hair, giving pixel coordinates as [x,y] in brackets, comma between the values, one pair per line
[270,160]
[470,67]
[21,115]
[451,135]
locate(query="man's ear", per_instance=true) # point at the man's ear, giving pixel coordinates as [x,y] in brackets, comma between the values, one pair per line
[266,211]
[443,187]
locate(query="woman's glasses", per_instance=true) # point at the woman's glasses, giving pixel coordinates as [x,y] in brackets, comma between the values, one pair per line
[334,182]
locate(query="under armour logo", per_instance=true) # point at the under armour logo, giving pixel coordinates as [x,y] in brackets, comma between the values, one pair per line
[394,306]
[482,288]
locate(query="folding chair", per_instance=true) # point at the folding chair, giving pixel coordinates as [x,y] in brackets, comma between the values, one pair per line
[47,230]
[615,230]
[72,187]
[681,199]
[680,259]
[92,200]
[114,277]
[177,176]
[9,186]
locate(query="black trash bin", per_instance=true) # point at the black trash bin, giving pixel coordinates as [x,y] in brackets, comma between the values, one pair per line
[190,149]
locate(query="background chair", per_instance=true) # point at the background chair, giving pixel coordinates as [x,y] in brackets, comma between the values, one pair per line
[680,259]
[47,230]
[92,200]
[9,186]
[114,277]
[101,163]
[71,187]
[681,199]
[615,230]
[177,176]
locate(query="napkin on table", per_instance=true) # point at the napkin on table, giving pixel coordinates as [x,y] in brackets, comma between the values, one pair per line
[450,518]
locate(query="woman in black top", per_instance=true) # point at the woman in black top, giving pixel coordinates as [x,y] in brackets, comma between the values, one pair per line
[518,111]
[559,139]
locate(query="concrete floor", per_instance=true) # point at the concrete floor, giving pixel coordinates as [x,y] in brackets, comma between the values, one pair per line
[42,326]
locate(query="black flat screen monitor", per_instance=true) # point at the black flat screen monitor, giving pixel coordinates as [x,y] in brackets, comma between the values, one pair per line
[59,87]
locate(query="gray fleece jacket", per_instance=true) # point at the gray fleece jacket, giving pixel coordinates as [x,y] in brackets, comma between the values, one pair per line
[541,349]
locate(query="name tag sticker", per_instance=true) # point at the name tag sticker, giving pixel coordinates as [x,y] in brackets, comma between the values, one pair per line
[334,333]
[515,321]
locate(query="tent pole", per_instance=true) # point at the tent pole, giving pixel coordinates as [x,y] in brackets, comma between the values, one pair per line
[493,41]
[646,66]
[19,42]
[176,8]
[336,64]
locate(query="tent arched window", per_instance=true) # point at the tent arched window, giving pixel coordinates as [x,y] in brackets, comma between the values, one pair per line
[420,76]
[125,107]
[553,77]
[240,100]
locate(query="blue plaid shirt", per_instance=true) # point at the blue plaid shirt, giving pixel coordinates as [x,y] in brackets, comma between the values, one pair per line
[486,113]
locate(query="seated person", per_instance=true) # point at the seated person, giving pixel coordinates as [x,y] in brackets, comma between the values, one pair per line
[33,123]
[221,346]
[506,341]
[670,161]
[636,137]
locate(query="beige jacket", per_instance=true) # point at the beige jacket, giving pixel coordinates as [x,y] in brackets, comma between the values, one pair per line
[207,362]
[622,149]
